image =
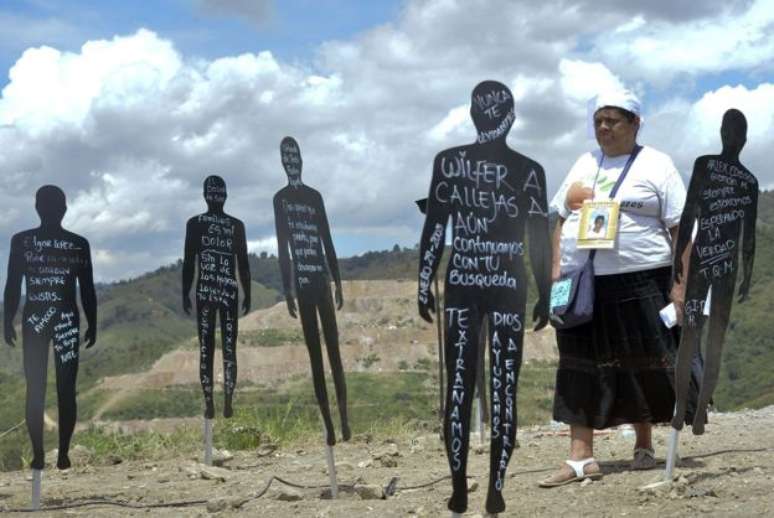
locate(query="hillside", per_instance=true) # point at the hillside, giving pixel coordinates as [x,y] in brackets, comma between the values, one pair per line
[746,378]
[141,322]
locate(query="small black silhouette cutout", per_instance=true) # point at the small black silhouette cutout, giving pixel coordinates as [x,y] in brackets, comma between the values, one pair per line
[302,227]
[218,241]
[50,259]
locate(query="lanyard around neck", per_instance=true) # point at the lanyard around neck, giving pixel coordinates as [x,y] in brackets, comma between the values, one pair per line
[629,162]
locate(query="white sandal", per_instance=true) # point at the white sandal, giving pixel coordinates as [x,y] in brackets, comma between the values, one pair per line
[578,467]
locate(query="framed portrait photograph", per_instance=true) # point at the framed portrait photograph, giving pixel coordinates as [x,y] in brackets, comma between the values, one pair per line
[598,224]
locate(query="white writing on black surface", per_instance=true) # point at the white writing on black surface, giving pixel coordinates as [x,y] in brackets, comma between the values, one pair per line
[217,281]
[428,261]
[66,337]
[457,318]
[491,105]
[304,241]
[50,266]
[724,199]
[291,160]
[503,388]
[482,194]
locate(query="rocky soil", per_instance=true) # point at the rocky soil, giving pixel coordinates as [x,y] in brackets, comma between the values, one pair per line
[729,471]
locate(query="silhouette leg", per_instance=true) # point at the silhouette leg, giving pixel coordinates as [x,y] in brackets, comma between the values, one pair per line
[461,352]
[720,311]
[228,330]
[205,316]
[66,344]
[690,343]
[506,338]
[308,314]
[35,367]
[331,333]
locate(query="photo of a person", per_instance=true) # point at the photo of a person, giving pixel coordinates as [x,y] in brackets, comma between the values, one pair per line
[598,227]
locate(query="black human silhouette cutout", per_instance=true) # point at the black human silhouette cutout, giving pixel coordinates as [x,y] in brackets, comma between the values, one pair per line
[218,241]
[722,202]
[492,194]
[302,227]
[51,260]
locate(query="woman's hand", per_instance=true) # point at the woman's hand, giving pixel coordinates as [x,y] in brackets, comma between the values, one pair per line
[677,296]
[576,194]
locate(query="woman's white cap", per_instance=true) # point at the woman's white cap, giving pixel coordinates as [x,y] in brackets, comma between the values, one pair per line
[619,98]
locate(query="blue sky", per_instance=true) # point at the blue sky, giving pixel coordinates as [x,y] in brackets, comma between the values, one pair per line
[292,30]
[129,105]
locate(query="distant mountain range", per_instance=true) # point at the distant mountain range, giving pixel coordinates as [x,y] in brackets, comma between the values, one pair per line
[141,319]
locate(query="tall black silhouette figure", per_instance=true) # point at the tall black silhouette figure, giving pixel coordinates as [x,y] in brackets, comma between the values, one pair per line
[218,241]
[51,260]
[302,227]
[492,195]
[722,203]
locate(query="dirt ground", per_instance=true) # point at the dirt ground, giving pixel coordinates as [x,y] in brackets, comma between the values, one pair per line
[729,471]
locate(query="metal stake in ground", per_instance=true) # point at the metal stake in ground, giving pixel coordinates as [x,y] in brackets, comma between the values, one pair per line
[208,442]
[331,466]
[36,482]
[671,455]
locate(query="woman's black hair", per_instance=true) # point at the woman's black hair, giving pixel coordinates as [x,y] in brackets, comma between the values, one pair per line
[629,116]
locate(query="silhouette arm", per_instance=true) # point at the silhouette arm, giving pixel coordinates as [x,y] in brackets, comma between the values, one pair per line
[748,244]
[330,252]
[88,297]
[189,256]
[283,255]
[540,250]
[244,265]
[431,245]
[12,293]
[691,211]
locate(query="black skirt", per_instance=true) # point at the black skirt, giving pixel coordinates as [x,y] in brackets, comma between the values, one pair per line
[619,368]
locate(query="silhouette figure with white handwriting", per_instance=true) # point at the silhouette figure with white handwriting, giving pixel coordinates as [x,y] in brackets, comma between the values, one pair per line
[492,195]
[50,259]
[216,243]
[302,227]
[722,203]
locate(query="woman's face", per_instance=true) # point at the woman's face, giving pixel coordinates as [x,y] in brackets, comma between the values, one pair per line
[616,135]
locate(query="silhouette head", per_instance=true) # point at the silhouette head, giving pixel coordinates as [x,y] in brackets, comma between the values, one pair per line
[733,130]
[51,205]
[291,158]
[491,108]
[214,192]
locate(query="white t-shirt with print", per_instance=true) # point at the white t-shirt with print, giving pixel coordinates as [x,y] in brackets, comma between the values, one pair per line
[652,197]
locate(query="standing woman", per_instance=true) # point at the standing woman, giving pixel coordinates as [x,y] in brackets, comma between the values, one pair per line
[618,368]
